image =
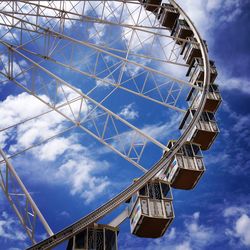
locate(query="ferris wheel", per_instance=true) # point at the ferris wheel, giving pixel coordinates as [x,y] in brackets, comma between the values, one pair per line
[82,60]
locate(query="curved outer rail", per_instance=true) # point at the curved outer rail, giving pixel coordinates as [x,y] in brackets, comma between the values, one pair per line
[128,192]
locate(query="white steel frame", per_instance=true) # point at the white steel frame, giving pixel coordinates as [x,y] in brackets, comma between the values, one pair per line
[13,16]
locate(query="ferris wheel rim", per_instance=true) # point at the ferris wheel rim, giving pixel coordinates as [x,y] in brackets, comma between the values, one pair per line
[76,227]
[151,140]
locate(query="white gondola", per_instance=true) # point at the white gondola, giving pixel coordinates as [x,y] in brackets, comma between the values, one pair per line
[190,50]
[181,30]
[152,5]
[168,15]
[186,167]
[196,71]
[205,130]
[213,98]
[151,210]
[96,237]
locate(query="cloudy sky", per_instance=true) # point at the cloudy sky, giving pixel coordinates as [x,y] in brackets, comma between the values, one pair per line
[73,173]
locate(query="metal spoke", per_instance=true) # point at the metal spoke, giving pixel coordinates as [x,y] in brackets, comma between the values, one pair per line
[40,143]
[59,53]
[16,194]
[105,51]
[112,142]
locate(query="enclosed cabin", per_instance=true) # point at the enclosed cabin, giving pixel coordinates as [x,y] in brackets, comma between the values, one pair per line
[181,30]
[213,98]
[152,5]
[151,209]
[168,15]
[196,71]
[95,237]
[205,130]
[186,167]
[191,49]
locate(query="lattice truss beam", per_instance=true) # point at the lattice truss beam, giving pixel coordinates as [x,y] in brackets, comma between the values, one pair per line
[36,41]
[21,201]
[139,42]
[83,111]
[28,27]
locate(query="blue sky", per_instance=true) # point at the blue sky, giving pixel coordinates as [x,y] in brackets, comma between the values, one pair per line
[73,174]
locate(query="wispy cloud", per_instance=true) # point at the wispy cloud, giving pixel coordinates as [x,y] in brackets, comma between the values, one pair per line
[210,15]
[238,225]
[80,173]
[70,162]
[241,84]
[228,151]
[192,235]
[231,224]
[128,112]
[9,228]
[160,130]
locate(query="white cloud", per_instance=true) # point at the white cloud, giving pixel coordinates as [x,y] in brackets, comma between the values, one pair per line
[78,171]
[238,224]
[106,83]
[15,109]
[233,136]
[233,83]
[242,229]
[26,8]
[52,149]
[184,246]
[97,32]
[128,112]
[17,65]
[9,228]
[172,233]
[209,14]
[192,236]
[70,162]
[232,211]
[136,15]
[242,123]
[220,156]
[158,130]
[199,235]
[132,69]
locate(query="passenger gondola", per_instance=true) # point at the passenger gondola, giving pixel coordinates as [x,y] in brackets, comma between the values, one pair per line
[152,5]
[151,209]
[186,167]
[213,98]
[205,130]
[95,237]
[196,71]
[181,30]
[168,15]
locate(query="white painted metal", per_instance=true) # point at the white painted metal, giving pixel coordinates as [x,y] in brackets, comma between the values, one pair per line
[117,221]
[97,104]
[102,50]
[37,30]
[123,196]
[16,192]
